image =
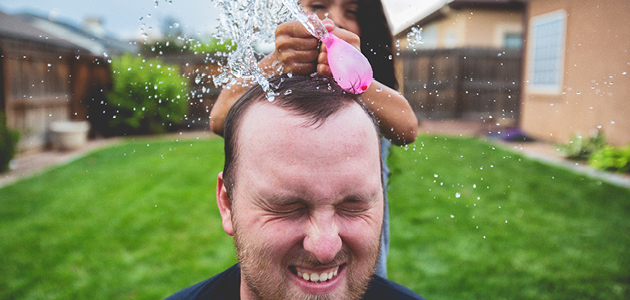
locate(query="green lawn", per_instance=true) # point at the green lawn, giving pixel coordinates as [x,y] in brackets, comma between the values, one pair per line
[139,221]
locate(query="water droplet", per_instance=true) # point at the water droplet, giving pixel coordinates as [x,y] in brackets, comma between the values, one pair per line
[452,216]
[379,89]
[457,195]
[612,121]
[288,92]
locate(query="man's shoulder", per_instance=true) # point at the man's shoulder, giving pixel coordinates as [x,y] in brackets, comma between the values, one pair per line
[381,288]
[225,285]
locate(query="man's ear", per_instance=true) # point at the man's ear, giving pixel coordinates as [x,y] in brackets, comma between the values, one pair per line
[223,202]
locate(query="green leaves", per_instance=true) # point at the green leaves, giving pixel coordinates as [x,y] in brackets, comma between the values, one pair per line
[611,158]
[148,96]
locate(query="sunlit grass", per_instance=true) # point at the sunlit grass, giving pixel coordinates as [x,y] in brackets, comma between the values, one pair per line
[139,221]
[473,222]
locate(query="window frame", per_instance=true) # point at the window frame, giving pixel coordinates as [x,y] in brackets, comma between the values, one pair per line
[533,52]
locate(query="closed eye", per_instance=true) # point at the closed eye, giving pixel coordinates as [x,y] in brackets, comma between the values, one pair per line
[316,7]
[288,209]
[353,206]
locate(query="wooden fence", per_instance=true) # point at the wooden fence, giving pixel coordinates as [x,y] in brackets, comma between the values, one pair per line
[43,83]
[462,83]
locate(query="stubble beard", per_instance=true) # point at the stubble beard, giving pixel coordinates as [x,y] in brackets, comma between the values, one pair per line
[255,261]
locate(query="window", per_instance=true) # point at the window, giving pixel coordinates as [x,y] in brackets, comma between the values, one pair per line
[429,38]
[546,52]
[451,39]
[512,40]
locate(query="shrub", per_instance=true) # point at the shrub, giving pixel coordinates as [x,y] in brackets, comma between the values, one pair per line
[147,96]
[8,143]
[580,147]
[612,159]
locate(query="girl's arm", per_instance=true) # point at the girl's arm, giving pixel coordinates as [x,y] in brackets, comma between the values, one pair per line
[297,50]
[397,120]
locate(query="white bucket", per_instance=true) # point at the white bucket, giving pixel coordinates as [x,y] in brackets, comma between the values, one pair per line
[68,135]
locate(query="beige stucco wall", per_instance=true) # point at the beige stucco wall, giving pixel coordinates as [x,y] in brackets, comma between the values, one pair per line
[596,79]
[482,28]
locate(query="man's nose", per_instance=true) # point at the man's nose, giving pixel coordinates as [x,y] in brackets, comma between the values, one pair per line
[322,237]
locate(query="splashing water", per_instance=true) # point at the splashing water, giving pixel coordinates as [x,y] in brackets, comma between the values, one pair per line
[246,23]
[237,23]
[414,37]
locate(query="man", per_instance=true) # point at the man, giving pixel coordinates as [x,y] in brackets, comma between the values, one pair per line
[301,192]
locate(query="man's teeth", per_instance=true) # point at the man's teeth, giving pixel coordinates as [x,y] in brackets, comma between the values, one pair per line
[314,277]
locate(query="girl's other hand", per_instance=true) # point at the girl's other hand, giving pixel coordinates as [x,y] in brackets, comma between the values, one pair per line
[322,60]
[296,49]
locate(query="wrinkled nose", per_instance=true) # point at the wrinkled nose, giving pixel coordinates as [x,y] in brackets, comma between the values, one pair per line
[322,238]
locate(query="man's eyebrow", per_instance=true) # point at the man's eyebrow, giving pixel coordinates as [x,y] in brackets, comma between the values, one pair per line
[275,199]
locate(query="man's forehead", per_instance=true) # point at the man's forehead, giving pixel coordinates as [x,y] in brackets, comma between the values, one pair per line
[265,123]
[281,156]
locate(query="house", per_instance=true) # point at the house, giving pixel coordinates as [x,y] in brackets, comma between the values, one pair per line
[469,24]
[45,78]
[576,72]
[468,63]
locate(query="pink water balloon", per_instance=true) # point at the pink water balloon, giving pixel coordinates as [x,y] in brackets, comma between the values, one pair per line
[349,67]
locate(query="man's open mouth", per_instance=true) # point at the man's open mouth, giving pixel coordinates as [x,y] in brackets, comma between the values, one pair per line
[316,276]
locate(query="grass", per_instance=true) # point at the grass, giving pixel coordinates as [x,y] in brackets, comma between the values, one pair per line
[139,221]
[471,221]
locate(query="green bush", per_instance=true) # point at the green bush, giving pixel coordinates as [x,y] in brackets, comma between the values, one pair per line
[197,47]
[147,96]
[612,159]
[580,147]
[8,143]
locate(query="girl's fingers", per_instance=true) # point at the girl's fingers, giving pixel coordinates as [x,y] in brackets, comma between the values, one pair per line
[329,24]
[287,42]
[291,56]
[293,29]
[324,70]
[322,58]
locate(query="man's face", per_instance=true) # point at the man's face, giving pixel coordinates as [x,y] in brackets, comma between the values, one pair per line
[307,206]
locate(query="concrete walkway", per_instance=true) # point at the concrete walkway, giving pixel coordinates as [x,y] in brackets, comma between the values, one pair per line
[24,166]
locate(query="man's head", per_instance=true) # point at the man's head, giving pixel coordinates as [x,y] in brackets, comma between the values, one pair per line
[301,191]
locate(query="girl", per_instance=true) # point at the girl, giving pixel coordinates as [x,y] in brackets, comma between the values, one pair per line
[363,24]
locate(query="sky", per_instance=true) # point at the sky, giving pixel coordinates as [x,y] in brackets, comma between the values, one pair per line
[125,19]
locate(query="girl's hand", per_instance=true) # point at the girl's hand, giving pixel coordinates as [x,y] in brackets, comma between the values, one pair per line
[296,49]
[348,36]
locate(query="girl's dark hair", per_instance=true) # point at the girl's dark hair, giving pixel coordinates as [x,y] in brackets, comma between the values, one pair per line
[376,41]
